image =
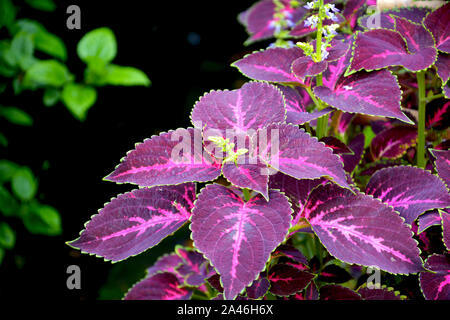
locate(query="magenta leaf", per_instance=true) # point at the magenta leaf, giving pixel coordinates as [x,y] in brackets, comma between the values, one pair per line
[311,292]
[296,100]
[436,286]
[437,23]
[166,263]
[195,268]
[351,161]
[392,143]
[344,122]
[351,11]
[237,236]
[273,65]
[299,155]
[292,253]
[161,286]
[386,21]
[336,69]
[376,93]
[306,67]
[379,294]
[428,219]
[445,216]
[248,176]
[253,106]
[170,158]
[410,45]
[409,190]
[336,145]
[356,228]
[442,164]
[443,66]
[214,281]
[438,114]
[136,221]
[337,292]
[334,274]
[260,19]
[286,280]
[258,288]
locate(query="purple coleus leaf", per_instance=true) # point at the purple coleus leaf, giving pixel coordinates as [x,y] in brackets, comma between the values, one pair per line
[311,292]
[356,228]
[351,11]
[436,286]
[306,67]
[337,292]
[334,274]
[442,164]
[410,45]
[299,155]
[286,280]
[438,114]
[255,105]
[336,145]
[170,158]
[136,221]
[345,120]
[385,18]
[260,20]
[292,253]
[443,67]
[166,263]
[428,219]
[445,216]
[273,65]
[296,100]
[195,268]
[409,190]
[379,294]
[161,286]
[238,114]
[258,288]
[437,23]
[351,161]
[393,143]
[376,93]
[238,236]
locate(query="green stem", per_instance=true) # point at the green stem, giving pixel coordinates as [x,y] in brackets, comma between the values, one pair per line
[436,96]
[421,125]
[322,122]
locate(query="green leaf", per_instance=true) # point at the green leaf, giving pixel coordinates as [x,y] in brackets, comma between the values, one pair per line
[125,76]
[43,40]
[22,49]
[47,73]
[16,116]
[42,219]
[97,46]
[368,136]
[44,5]
[7,170]
[78,99]
[24,184]
[3,140]
[7,13]
[8,204]
[7,236]
[51,97]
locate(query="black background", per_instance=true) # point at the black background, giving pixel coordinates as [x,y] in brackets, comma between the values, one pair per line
[152,36]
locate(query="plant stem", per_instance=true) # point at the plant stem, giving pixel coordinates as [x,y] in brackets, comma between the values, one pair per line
[421,125]
[436,96]
[322,122]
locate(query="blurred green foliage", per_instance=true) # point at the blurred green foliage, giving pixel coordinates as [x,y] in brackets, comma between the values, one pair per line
[21,70]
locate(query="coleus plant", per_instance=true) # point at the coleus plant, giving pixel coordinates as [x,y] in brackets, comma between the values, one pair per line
[300,204]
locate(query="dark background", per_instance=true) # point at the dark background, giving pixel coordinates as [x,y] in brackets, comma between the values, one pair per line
[186,48]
